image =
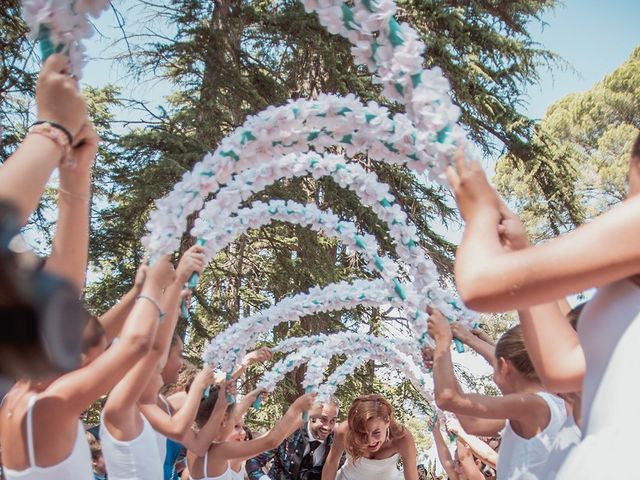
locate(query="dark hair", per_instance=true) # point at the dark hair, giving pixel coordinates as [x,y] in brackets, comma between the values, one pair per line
[175,339]
[92,334]
[574,315]
[248,432]
[635,149]
[511,347]
[207,405]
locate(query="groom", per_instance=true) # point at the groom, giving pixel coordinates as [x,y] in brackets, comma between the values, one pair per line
[302,455]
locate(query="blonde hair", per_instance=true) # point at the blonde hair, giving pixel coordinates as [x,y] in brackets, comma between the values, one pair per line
[511,347]
[363,409]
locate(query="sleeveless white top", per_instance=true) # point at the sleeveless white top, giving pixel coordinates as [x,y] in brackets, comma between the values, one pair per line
[566,440]
[77,465]
[160,438]
[136,459]
[229,474]
[526,458]
[609,331]
[368,469]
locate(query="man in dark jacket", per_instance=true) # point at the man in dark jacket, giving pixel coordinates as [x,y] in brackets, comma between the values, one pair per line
[302,455]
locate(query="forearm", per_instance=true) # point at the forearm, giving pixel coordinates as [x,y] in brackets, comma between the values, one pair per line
[554,347]
[444,455]
[446,388]
[183,418]
[70,246]
[480,448]
[113,320]
[170,304]
[24,175]
[484,349]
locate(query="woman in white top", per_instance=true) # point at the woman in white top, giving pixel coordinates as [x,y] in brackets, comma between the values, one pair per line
[129,444]
[374,443]
[528,417]
[223,460]
[52,406]
[604,254]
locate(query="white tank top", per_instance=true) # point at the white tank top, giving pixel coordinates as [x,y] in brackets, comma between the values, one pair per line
[229,474]
[136,459]
[609,331]
[160,438]
[77,465]
[568,437]
[526,458]
[367,469]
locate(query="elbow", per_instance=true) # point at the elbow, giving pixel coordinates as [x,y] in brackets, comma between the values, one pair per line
[446,398]
[137,346]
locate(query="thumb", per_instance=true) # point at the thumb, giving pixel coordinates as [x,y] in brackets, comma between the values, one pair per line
[56,63]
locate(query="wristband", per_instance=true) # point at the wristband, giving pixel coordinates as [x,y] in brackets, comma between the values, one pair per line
[60,127]
[161,314]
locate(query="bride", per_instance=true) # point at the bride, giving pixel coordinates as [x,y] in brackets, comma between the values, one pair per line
[374,442]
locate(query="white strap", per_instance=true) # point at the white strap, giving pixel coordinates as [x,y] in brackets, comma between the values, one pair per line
[30,447]
[206,470]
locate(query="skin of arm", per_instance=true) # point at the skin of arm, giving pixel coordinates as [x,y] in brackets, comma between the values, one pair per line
[79,389]
[486,350]
[220,453]
[408,453]
[444,455]
[178,425]
[480,448]
[490,278]
[467,463]
[554,347]
[114,318]
[527,412]
[330,469]
[24,174]
[70,247]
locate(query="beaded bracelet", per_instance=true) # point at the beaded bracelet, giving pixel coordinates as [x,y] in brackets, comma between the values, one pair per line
[59,137]
[60,127]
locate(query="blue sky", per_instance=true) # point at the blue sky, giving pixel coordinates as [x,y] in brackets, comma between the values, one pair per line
[594,36]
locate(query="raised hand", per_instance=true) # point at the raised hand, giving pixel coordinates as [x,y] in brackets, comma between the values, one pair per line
[513,235]
[204,378]
[58,98]
[303,403]
[471,188]
[460,332]
[192,261]
[438,328]
[257,356]
[161,273]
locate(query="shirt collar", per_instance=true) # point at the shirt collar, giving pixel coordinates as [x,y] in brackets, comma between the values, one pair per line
[310,435]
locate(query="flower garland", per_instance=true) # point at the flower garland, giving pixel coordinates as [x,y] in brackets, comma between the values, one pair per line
[61,26]
[226,348]
[317,353]
[296,127]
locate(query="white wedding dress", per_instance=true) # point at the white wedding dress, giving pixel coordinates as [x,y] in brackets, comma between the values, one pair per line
[609,331]
[368,469]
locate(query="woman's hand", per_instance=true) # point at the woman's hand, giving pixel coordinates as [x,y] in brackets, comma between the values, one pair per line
[161,274]
[257,356]
[460,332]
[471,188]
[513,235]
[303,403]
[439,328]
[192,261]
[204,378]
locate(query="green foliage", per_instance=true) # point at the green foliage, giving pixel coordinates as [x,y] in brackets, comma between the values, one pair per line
[228,59]
[590,134]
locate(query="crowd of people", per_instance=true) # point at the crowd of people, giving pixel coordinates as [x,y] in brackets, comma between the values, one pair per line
[566,376]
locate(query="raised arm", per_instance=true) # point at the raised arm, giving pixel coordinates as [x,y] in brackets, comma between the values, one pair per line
[24,175]
[179,425]
[480,448]
[444,455]
[192,261]
[79,389]
[449,396]
[554,347]
[468,465]
[260,355]
[291,421]
[408,453]
[70,247]
[490,278]
[113,320]
[486,350]
[330,469]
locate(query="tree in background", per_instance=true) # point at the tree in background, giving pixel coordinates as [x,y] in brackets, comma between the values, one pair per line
[591,133]
[227,59]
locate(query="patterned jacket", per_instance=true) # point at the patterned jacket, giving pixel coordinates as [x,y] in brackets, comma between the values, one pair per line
[287,459]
